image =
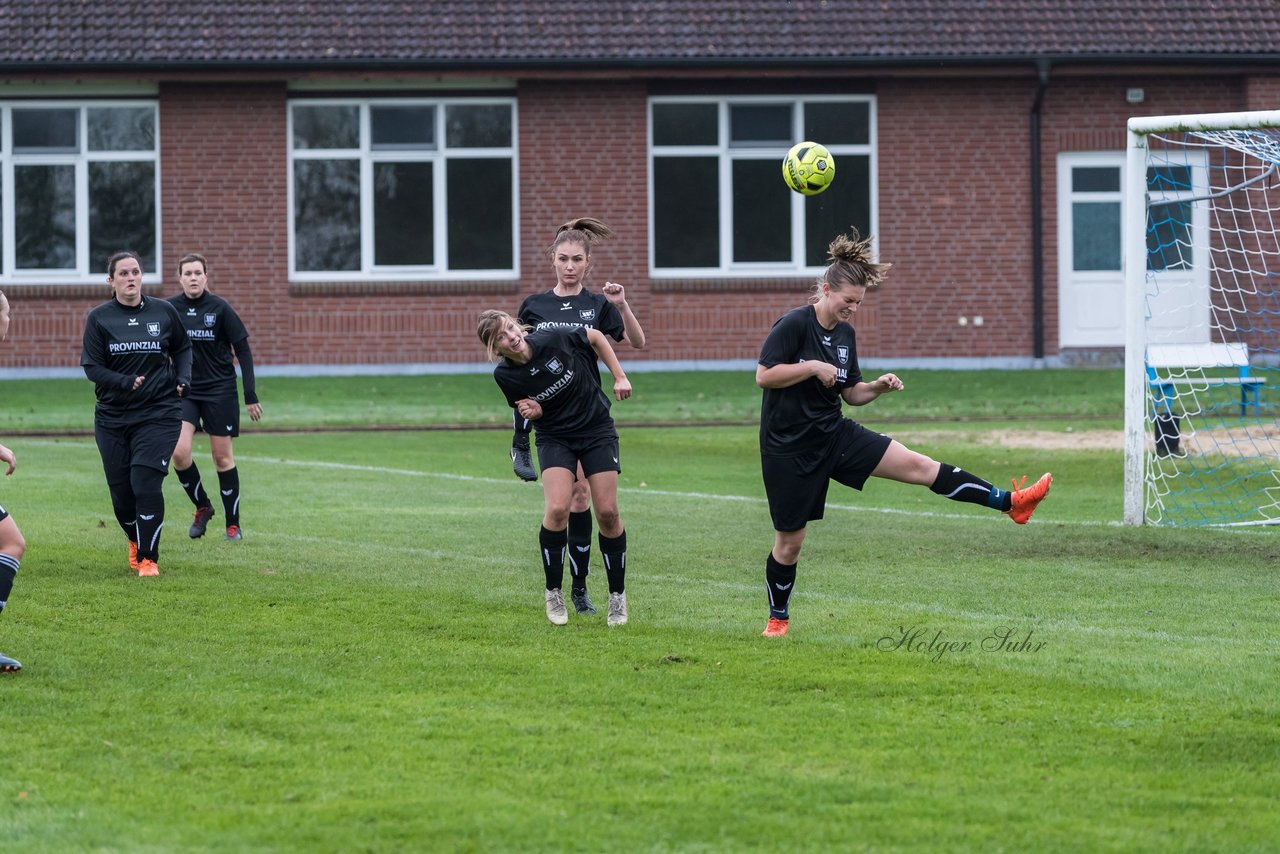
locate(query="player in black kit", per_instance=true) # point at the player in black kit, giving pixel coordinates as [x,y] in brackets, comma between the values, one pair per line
[808,367]
[569,305]
[12,545]
[551,377]
[138,357]
[217,336]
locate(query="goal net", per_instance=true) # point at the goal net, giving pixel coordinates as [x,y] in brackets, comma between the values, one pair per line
[1202,344]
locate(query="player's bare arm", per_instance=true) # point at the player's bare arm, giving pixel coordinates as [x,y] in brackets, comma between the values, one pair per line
[529,408]
[787,375]
[604,350]
[633,332]
[863,393]
[7,456]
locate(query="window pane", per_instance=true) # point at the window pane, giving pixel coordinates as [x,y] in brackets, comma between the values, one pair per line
[1169,237]
[122,129]
[846,202]
[480,215]
[1168,179]
[326,127]
[686,211]
[44,217]
[402,127]
[760,125]
[478,126]
[761,212]
[686,124]
[402,214]
[838,122]
[46,130]
[327,215]
[1095,236]
[1095,179]
[122,211]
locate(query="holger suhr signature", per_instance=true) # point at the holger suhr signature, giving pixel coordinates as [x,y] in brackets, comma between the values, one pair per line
[935,643]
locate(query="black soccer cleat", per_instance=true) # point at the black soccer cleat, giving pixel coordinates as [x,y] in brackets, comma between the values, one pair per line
[522,462]
[9,665]
[582,602]
[199,522]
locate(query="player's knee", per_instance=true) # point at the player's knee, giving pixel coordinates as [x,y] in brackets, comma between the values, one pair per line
[608,519]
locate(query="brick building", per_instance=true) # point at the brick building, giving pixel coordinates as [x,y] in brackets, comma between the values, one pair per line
[364,177]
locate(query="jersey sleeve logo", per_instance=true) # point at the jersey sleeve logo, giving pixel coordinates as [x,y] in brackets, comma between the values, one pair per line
[210,320]
[153,329]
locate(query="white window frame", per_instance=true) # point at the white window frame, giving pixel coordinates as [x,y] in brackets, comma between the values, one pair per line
[726,154]
[87,270]
[367,155]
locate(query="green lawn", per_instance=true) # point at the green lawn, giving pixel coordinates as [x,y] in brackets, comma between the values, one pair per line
[370,669]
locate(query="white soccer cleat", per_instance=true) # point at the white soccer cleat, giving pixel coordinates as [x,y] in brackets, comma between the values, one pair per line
[617,609]
[556,612]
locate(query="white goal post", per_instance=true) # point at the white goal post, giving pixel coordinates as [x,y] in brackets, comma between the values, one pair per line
[1202,344]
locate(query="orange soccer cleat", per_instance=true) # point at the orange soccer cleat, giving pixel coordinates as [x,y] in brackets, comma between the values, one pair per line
[1026,500]
[775,628]
[147,568]
[133,555]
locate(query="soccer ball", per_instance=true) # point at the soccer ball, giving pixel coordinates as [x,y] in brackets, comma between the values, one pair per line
[808,168]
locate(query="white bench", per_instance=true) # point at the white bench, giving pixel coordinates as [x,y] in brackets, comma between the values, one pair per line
[1166,357]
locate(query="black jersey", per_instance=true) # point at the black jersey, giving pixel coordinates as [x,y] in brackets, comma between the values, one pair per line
[803,417]
[216,334]
[562,376]
[583,310]
[123,342]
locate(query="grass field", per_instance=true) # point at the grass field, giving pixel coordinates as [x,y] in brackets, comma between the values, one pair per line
[370,669]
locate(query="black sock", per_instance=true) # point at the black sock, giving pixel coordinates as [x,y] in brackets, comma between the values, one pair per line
[580,548]
[958,485]
[8,570]
[124,506]
[779,580]
[192,486]
[551,544]
[614,552]
[229,486]
[523,427]
[150,521]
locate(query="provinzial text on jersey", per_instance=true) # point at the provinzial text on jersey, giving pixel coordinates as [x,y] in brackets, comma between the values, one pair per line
[134,346]
[555,388]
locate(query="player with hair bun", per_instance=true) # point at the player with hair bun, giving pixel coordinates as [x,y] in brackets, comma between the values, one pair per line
[569,305]
[808,367]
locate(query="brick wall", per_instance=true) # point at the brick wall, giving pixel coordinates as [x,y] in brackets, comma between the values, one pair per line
[954,219]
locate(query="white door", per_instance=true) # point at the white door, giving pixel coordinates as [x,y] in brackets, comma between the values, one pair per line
[1090,249]
[1091,300]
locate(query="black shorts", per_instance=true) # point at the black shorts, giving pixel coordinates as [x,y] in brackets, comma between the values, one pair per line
[596,454]
[220,417]
[797,486]
[148,443]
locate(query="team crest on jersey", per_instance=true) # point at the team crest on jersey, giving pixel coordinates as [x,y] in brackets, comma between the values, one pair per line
[153,329]
[587,314]
[209,320]
[555,366]
[842,353]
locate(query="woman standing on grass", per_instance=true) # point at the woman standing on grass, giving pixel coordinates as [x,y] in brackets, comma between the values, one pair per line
[569,305]
[12,545]
[139,359]
[808,366]
[218,341]
[551,377]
